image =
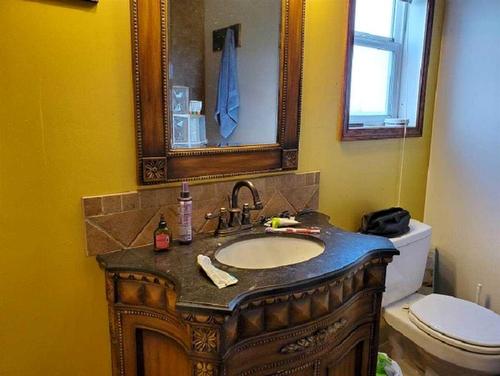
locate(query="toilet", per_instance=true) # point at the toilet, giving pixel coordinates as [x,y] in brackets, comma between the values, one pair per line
[453,330]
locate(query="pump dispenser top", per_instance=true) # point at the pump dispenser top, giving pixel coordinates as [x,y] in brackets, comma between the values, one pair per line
[185,194]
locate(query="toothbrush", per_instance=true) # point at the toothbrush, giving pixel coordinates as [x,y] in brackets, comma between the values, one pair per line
[288,230]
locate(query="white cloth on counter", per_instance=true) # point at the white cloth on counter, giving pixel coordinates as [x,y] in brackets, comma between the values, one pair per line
[219,277]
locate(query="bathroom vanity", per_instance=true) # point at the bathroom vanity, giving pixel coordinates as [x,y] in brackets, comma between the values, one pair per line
[316,317]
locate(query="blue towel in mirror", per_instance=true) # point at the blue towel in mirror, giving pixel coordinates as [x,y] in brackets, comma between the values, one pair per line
[228,94]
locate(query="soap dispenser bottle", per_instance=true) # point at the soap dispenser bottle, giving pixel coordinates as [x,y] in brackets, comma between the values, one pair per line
[162,236]
[185,215]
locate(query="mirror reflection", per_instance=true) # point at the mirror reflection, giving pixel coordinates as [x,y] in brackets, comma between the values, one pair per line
[387,63]
[224,72]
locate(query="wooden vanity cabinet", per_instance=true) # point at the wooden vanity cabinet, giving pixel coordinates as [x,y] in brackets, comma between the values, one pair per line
[329,327]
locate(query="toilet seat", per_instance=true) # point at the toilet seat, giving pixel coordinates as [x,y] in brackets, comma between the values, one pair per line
[397,316]
[458,323]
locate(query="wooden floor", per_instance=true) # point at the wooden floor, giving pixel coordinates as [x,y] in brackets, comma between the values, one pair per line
[408,368]
[413,360]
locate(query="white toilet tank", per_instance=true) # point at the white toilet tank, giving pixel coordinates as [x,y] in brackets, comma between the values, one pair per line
[406,272]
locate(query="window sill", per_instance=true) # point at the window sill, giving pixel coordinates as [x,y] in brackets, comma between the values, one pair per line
[379,133]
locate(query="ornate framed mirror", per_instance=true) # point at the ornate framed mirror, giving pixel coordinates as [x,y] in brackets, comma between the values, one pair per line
[217,87]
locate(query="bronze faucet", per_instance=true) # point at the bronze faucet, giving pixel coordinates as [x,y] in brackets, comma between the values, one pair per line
[239,218]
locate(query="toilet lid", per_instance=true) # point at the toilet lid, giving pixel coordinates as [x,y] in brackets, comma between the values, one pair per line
[458,322]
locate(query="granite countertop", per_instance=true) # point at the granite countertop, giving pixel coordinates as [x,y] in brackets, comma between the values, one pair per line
[196,291]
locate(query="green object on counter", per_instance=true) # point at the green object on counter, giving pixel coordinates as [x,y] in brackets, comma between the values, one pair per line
[382,361]
[275,222]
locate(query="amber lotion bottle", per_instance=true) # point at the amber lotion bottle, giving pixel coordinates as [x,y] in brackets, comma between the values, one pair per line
[185,215]
[162,236]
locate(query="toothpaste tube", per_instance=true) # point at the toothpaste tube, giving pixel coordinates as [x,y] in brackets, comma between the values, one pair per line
[281,222]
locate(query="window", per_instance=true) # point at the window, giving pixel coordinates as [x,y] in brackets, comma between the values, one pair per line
[378,39]
[387,66]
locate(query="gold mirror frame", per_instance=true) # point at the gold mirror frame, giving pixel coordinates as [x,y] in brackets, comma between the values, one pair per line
[157,161]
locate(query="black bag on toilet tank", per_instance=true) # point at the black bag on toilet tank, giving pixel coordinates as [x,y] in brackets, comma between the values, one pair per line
[390,223]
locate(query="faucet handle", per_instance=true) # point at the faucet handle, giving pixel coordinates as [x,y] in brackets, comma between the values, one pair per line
[245,215]
[258,206]
[234,217]
[211,215]
[221,212]
[246,218]
[221,216]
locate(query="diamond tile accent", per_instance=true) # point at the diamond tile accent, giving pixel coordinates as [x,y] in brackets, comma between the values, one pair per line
[300,197]
[99,242]
[313,203]
[124,227]
[276,205]
[145,237]
[127,220]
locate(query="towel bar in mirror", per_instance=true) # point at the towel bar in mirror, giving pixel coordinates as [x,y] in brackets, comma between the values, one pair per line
[205,112]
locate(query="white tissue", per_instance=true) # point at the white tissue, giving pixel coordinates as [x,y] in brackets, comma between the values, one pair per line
[219,277]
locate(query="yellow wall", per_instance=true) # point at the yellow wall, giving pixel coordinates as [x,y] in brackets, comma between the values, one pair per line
[355,176]
[66,130]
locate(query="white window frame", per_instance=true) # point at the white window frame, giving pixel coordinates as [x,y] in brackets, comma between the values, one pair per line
[395,45]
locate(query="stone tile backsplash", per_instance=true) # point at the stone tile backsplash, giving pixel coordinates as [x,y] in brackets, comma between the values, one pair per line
[127,220]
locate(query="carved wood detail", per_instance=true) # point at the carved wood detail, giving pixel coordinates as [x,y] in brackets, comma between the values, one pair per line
[136,289]
[290,159]
[202,318]
[278,332]
[321,336]
[293,371]
[154,170]
[205,369]
[205,339]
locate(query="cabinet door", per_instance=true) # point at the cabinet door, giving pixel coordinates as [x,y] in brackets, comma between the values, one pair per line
[351,357]
[152,347]
[350,365]
[159,355]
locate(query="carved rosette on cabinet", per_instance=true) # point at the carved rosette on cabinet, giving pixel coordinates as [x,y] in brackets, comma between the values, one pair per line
[300,329]
[205,369]
[205,340]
